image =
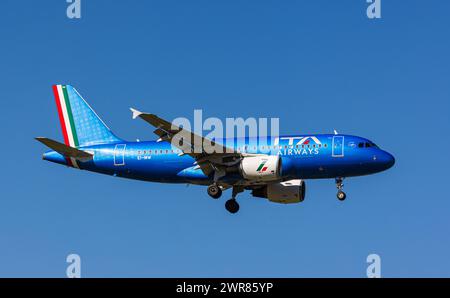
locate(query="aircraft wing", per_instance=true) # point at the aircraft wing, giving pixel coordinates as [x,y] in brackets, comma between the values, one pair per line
[191,143]
[66,150]
[209,156]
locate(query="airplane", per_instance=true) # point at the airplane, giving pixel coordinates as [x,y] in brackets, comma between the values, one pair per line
[275,171]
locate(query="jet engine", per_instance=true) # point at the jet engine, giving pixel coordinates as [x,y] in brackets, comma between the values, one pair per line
[287,192]
[261,168]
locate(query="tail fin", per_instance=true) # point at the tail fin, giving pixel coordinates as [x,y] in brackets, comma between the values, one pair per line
[80,125]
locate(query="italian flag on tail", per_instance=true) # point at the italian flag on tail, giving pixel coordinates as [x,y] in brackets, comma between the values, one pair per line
[66,119]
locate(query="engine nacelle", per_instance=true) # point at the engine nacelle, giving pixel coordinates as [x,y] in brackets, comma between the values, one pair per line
[261,168]
[287,192]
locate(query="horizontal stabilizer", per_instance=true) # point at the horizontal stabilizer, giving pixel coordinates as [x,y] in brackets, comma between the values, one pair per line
[66,150]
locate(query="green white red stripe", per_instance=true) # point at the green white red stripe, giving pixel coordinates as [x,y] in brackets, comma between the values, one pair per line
[66,119]
[261,167]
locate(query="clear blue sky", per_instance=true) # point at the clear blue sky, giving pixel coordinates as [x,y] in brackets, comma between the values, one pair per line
[317,65]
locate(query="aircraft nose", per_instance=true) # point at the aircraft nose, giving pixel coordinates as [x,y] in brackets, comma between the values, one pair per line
[388,160]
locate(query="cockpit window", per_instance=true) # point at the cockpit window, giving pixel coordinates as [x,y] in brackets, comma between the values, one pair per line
[367,145]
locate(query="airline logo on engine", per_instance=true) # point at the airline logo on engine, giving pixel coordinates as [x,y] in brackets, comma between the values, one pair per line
[262,168]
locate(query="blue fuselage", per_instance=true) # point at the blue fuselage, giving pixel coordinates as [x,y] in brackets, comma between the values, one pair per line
[303,157]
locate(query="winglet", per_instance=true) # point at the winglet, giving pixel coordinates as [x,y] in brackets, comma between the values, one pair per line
[136,113]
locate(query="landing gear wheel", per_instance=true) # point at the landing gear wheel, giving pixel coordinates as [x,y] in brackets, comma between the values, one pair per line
[214,191]
[232,206]
[341,195]
[340,185]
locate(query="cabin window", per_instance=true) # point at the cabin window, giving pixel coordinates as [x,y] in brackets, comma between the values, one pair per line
[360,145]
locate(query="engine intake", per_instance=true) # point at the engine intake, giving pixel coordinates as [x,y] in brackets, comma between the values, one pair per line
[287,192]
[261,168]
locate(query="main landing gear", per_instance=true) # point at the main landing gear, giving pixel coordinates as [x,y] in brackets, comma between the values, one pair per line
[340,185]
[232,205]
[214,191]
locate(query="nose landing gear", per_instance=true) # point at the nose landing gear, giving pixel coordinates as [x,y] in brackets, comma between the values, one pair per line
[341,195]
[340,185]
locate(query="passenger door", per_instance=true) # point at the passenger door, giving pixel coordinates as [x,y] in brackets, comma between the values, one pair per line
[338,146]
[119,155]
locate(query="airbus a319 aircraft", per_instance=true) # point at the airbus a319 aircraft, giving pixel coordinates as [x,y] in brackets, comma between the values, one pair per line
[276,171]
